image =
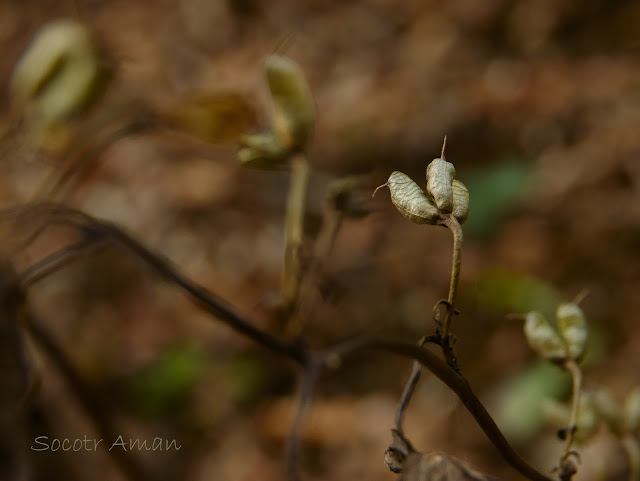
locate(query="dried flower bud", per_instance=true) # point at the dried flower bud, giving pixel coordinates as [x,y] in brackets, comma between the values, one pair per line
[631,411]
[573,328]
[440,175]
[543,338]
[460,201]
[57,74]
[410,199]
[292,114]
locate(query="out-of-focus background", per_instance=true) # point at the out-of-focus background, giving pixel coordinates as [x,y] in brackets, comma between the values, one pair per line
[540,102]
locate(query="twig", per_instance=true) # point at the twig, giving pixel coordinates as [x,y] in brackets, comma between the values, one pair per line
[305,393]
[457,383]
[59,214]
[92,405]
[409,388]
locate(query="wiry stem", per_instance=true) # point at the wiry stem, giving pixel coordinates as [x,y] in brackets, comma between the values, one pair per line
[443,338]
[576,377]
[294,229]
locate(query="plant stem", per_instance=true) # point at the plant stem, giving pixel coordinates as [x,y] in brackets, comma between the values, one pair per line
[632,448]
[294,228]
[454,226]
[576,377]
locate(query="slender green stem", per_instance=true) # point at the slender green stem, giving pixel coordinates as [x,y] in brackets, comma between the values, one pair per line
[294,228]
[454,226]
[576,377]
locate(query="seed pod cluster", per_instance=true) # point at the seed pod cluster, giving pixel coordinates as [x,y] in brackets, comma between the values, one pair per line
[444,194]
[566,340]
[291,117]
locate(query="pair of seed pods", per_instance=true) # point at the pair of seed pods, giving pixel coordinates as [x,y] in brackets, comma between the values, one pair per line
[444,194]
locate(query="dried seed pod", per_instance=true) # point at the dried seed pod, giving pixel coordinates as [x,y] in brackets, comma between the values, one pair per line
[292,113]
[460,201]
[631,411]
[440,175]
[573,328]
[543,338]
[262,151]
[58,73]
[607,408]
[410,199]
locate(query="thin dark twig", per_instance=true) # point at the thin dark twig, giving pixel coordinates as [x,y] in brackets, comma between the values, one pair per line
[305,393]
[60,214]
[59,259]
[409,388]
[456,382]
[92,405]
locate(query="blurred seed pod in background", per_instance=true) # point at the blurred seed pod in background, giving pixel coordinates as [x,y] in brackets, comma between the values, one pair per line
[262,151]
[292,110]
[58,73]
[543,338]
[572,326]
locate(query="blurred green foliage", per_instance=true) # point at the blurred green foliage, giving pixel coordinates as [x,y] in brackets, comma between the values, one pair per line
[164,386]
[513,292]
[519,403]
[494,191]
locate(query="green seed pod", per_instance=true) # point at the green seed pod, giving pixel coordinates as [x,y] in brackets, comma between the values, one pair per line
[543,338]
[292,113]
[631,411]
[262,151]
[410,199]
[440,175]
[58,73]
[460,201]
[573,328]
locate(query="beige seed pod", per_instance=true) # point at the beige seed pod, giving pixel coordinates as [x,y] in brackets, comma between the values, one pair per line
[631,410]
[460,201]
[292,112]
[573,328]
[410,199]
[543,338]
[262,151]
[440,175]
[58,73]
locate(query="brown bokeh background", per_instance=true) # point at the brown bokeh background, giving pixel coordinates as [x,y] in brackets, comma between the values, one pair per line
[540,102]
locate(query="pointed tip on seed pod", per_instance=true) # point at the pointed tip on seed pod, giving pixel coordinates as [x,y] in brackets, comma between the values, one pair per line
[292,110]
